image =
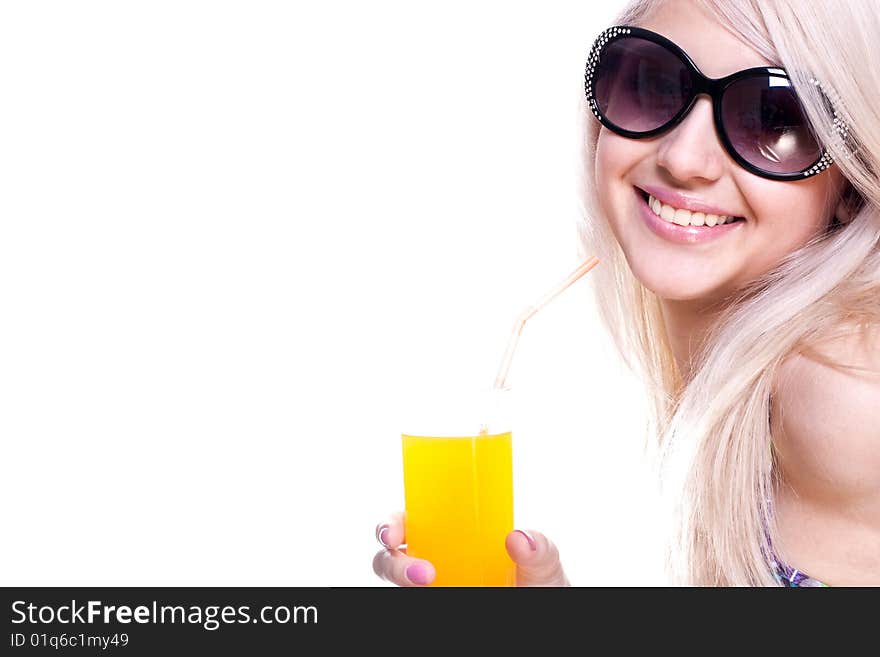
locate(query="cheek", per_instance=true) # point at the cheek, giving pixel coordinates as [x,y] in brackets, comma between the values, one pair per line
[604,169]
[785,220]
[793,212]
[615,157]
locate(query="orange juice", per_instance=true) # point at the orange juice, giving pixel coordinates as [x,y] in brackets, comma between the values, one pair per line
[459,506]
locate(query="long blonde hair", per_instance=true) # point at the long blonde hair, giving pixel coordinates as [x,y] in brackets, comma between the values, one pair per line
[713,431]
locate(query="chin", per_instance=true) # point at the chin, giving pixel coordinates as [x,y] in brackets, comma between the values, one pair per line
[679,288]
[677,295]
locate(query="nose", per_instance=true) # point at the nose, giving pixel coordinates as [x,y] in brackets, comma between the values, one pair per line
[691,150]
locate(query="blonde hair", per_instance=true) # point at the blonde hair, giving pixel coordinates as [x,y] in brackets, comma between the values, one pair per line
[713,431]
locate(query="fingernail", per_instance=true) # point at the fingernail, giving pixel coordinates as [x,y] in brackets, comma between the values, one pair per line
[531,541]
[381,531]
[417,573]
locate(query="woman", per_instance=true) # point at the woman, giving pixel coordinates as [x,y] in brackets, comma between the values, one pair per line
[739,236]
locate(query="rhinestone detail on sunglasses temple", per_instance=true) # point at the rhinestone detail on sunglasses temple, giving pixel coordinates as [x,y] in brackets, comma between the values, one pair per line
[593,59]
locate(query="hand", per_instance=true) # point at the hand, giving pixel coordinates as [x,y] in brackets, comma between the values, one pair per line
[536,558]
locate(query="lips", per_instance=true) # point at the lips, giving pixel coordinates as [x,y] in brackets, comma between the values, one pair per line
[675,201]
[687,217]
[687,235]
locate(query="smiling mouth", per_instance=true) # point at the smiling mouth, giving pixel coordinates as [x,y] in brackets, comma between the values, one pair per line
[687,217]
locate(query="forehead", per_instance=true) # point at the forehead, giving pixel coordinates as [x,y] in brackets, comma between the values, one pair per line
[716,51]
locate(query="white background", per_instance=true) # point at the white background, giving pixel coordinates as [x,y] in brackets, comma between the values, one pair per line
[235,235]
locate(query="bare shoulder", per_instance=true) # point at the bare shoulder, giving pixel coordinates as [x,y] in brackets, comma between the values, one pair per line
[825,424]
[826,419]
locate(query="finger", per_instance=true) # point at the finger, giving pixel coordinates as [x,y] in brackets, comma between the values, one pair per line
[392,534]
[537,559]
[398,568]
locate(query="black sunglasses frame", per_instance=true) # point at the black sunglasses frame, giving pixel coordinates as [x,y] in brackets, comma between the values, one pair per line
[712,87]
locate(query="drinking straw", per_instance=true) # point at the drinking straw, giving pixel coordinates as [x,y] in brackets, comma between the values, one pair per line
[591,262]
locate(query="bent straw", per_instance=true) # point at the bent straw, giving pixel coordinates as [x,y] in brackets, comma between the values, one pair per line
[531,310]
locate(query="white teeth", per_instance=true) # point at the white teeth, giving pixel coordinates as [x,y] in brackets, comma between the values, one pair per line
[682,217]
[685,217]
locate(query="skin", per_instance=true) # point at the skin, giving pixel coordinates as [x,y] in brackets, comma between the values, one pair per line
[536,558]
[826,437]
[781,217]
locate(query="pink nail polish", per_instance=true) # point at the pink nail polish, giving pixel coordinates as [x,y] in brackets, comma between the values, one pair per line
[531,540]
[381,532]
[417,573]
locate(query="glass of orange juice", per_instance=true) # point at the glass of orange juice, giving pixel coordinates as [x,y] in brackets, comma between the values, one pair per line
[458,484]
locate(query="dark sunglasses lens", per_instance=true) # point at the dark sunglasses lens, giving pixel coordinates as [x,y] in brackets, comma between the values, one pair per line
[640,85]
[766,125]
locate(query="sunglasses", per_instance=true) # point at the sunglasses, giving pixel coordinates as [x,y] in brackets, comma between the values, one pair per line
[640,84]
